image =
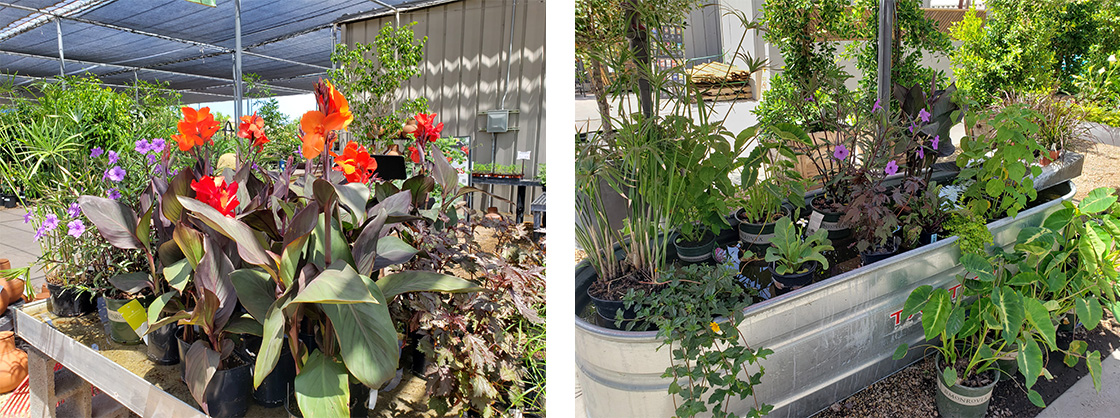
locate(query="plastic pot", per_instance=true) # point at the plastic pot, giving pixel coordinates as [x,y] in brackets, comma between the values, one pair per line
[275,387]
[228,392]
[162,346]
[829,221]
[608,311]
[869,257]
[958,401]
[756,234]
[926,238]
[794,280]
[8,200]
[119,330]
[69,301]
[695,252]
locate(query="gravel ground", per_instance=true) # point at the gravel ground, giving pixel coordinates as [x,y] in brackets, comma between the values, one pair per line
[1102,166]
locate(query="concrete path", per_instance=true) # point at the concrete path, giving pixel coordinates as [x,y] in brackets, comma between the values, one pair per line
[17,243]
[1082,400]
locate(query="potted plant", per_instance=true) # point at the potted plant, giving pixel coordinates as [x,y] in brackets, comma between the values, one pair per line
[760,212]
[927,212]
[1059,121]
[795,260]
[762,200]
[995,166]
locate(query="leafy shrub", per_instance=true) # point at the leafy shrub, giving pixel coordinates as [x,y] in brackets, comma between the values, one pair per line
[1059,121]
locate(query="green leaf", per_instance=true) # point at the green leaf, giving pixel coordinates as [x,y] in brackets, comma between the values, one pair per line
[367,338]
[1036,398]
[1039,318]
[423,281]
[1009,304]
[1030,360]
[131,282]
[955,322]
[190,242]
[178,274]
[936,313]
[900,352]
[949,376]
[916,300]
[978,265]
[392,251]
[1058,220]
[1094,363]
[180,185]
[339,284]
[994,187]
[1076,348]
[1089,311]
[248,246]
[272,335]
[340,247]
[256,291]
[244,325]
[114,220]
[1098,200]
[1038,241]
[321,387]
[144,227]
[156,308]
[1024,278]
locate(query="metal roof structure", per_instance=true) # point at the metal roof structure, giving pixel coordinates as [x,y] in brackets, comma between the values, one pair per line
[197,50]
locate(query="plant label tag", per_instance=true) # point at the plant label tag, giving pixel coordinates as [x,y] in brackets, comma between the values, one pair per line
[524,155]
[135,315]
[932,238]
[815,221]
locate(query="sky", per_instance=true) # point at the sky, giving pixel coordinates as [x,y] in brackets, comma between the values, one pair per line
[292,106]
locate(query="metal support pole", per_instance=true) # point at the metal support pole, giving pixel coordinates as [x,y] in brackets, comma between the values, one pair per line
[61,56]
[886,29]
[237,78]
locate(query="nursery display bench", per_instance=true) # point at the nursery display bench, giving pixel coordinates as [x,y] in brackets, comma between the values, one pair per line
[86,367]
[830,339]
[520,184]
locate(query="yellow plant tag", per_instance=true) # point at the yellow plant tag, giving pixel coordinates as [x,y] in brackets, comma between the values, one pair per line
[135,315]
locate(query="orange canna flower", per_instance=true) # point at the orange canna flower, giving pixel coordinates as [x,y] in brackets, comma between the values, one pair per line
[355,163]
[333,114]
[252,128]
[426,132]
[215,192]
[196,128]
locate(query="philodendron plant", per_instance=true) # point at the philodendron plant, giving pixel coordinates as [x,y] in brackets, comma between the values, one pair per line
[791,253]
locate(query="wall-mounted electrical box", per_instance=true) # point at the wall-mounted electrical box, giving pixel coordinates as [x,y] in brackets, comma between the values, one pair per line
[497,121]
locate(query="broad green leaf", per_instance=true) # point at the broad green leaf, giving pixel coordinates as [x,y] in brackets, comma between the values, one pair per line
[244,325]
[1036,398]
[1098,200]
[1030,360]
[1089,311]
[1039,318]
[978,265]
[322,388]
[1076,348]
[994,187]
[339,284]
[1090,248]
[248,246]
[949,376]
[131,282]
[955,322]
[916,300]
[1058,220]
[114,220]
[180,185]
[936,313]
[200,365]
[144,227]
[366,337]
[900,352]
[340,248]
[255,290]
[272,335]
[190,242]
[156,308]
[1035,240]
[1024,278]
[423,281]
[353,197]
[290,259]
[1009,304]
[178,274]
[1093,360]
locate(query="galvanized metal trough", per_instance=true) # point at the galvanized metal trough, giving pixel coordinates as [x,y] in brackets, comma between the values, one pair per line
[830,339]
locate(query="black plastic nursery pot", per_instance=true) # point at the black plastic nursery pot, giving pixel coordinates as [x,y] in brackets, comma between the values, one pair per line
[608,311]
[926,238]
[695,252]
[162,346]
[279,383]
[69,301]
[756,234]
[789,282]
[878,254]
[958,401]
[829,220]
[229,391]
[8,200]
[119,330]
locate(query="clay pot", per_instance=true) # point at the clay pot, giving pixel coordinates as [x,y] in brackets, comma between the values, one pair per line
[394,149]
[43,294]
[13,362]
[492,213]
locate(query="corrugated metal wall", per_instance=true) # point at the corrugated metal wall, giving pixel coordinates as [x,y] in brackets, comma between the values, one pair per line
[702,34]
[464,71]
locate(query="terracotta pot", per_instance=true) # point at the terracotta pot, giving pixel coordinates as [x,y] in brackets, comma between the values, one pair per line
[492,213]
[394,149]
[43,294]
[13,362]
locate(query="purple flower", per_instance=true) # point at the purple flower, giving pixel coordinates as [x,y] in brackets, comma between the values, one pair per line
[113,157]
[892,168]
[152,158]
[40,233]
[923,115]
[27,217]
[96,152]
[876,107]
[76,228]
[911,127]
[74,210]
[841,152]
[936,140]
[114,194]
[720,255]
[921,152]
[158,144]
[142,146]
[51,222]
[116,174]
[811,99]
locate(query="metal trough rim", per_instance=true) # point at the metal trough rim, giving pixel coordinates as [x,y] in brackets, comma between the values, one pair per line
[821,286]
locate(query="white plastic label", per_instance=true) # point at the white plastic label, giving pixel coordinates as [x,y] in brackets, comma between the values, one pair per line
[815,221]
[524,155]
